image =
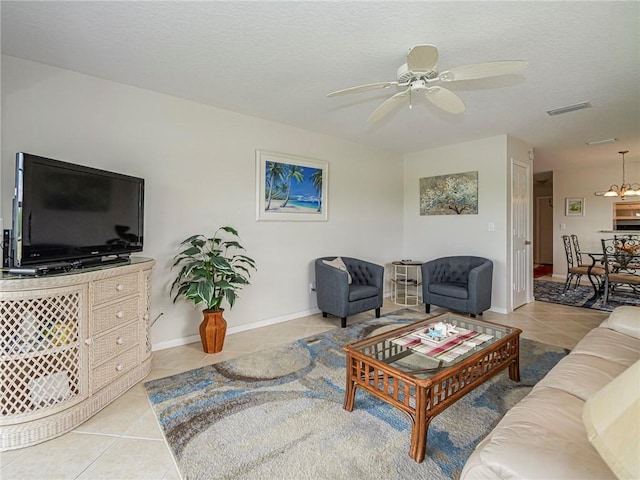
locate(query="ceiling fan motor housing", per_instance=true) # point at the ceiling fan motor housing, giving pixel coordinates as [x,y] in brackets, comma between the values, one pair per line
[404,75]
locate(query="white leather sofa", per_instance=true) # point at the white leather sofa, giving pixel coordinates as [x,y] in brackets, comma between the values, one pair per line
[581,421]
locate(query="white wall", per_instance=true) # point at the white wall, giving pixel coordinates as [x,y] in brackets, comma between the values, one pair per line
[429,237]
[582,183]
[199,167]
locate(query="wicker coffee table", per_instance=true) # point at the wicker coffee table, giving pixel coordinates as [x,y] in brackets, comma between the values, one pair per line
[390,367]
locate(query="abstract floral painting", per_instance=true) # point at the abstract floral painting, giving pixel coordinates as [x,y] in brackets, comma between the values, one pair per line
[454,194]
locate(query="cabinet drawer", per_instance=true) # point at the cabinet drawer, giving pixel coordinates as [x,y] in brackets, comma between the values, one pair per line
[112,369]
[111,316]
[114,288]
[114,343]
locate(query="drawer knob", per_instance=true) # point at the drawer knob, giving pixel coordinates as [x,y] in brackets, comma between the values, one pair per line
[89,341]
[119,314]
[119,287]
[120,341]
[119,367]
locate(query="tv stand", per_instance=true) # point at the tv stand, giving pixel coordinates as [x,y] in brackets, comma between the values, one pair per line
[70,344]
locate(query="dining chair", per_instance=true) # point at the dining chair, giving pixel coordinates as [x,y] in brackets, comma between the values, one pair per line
[576,271]
[576,250]
[621,257]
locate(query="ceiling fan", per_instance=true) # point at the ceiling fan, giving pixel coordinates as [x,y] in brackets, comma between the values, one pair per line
[420,77]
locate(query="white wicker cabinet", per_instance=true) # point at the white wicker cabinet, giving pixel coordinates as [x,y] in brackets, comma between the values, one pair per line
[71,344]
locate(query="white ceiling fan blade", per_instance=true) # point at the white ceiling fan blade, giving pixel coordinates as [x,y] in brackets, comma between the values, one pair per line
[445,99]
[387,106]
[422,58]
[362,88]
[483,70]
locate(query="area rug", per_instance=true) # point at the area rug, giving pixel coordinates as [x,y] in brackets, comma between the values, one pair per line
[277,414]
[542,271]
[582,296]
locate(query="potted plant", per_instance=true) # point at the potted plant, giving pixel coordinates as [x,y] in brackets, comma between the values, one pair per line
[212,270]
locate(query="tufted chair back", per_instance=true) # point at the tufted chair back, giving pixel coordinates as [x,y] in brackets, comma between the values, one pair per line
[362,273]
[454,269]
[460,283]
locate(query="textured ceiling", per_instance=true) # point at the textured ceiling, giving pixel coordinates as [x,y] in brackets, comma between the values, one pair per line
[278,60]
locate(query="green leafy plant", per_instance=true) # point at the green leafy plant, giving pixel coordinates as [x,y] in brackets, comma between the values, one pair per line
[211,269]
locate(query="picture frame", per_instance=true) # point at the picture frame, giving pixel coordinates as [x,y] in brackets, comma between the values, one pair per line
[451,194]
[290,188]
[574,207]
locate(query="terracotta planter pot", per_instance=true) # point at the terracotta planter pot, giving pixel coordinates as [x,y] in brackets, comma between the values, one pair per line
[213,329]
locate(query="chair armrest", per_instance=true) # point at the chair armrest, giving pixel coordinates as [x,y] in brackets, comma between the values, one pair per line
[480,279]
[332,286]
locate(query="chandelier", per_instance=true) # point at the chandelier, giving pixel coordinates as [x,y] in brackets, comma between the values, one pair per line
[625,189]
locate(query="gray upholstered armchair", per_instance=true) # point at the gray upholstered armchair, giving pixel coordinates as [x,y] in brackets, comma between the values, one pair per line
[461,283]
[336,296]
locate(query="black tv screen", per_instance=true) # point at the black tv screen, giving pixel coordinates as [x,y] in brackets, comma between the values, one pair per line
[65,212]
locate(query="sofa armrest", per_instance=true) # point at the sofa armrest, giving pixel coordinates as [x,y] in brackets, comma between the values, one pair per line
[625,320]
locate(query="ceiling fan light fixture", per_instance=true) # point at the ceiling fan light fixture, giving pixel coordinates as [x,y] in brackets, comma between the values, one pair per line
[568,108]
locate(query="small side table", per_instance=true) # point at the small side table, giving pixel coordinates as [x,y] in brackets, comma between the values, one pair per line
[407,283]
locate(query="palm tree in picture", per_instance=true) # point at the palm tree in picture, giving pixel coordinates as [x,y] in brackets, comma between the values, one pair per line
[295,172]
[316,179]
[275,173]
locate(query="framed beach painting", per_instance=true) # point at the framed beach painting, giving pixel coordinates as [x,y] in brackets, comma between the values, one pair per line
[290,188]
[574,207]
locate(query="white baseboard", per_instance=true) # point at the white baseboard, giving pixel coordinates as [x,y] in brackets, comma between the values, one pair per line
[230,331]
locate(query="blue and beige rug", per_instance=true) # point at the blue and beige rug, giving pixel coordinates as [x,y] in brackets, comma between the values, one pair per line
[277,414]
[582,296]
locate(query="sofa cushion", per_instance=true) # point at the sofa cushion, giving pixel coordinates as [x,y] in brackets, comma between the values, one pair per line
[612,421]
[456,290]
[581,375]
[610,345]
[542,437]
[625,319]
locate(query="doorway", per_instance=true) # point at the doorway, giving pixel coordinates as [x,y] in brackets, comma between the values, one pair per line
[543,226]
[543,219]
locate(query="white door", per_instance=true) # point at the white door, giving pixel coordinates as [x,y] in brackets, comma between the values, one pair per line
[520,243]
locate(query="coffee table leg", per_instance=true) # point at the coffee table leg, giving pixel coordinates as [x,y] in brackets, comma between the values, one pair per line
[514,367]
[420,427]
[514,370]
[350,390]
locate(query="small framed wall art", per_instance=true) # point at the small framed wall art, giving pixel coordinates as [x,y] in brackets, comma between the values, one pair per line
[574,207]
[290,188]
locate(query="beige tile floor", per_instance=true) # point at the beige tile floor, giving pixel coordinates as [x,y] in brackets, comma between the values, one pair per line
[123,441]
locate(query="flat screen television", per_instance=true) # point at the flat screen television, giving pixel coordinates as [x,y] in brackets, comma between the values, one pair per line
[74,215]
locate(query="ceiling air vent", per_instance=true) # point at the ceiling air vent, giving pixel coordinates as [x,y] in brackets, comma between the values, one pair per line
[568,108]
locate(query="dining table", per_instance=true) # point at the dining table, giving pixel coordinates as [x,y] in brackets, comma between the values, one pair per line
[628,261]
